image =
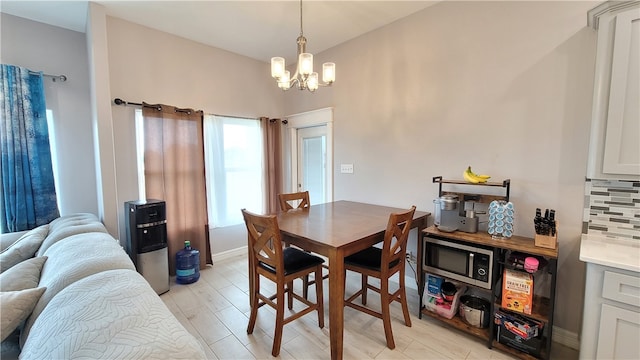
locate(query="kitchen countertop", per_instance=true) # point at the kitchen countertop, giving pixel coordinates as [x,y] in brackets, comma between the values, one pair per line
[617,253]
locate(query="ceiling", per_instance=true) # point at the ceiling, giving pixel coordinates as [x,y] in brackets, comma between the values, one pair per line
[257,29]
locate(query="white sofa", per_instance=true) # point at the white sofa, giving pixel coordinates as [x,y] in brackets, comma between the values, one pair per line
[95,305]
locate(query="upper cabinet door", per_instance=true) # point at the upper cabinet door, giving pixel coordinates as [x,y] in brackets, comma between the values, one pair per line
[614,151]
[622,142]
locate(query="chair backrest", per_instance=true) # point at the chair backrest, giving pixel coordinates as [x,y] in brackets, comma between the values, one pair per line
[265,241]
[395,237]
[285,199]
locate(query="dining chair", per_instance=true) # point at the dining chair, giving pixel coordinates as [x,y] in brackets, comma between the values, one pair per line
[382,263]
[287,202]
[268,258]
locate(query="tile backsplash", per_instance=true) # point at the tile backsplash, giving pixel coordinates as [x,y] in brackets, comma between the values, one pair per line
[612,209]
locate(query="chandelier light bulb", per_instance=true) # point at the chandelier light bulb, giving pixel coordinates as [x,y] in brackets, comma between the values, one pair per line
[312,83]
[277,67]
[305,64]
[329,72]
[284,82]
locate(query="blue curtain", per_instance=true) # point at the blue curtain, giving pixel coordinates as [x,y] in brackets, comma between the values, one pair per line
[27,189]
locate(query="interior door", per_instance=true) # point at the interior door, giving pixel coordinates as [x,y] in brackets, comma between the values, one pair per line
[309,145]
[312,163]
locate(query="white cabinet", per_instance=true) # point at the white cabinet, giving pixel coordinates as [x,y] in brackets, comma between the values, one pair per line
[626,325]
[611,314]
[614,150]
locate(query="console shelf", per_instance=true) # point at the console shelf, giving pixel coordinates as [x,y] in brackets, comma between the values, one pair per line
[458,323]
[542,305]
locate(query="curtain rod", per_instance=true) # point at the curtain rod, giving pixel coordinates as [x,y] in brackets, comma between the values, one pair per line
[54,78]
[119,101]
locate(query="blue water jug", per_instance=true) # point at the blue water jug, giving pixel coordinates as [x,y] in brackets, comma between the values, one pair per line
[187,264]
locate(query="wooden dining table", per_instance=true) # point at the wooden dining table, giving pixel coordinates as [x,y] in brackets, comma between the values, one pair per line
[336,230]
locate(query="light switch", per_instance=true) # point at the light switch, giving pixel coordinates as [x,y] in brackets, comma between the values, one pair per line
[346,168]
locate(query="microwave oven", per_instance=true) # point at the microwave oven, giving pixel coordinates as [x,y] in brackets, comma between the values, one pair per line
[469,264]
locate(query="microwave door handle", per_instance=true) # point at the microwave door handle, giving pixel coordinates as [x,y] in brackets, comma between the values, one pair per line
[471,256]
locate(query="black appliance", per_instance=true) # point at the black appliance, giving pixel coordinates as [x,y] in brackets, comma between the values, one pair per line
[146,227]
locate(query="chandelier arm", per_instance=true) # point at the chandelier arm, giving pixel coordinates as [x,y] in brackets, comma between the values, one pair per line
[296,74]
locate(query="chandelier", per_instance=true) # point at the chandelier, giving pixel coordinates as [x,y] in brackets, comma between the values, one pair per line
[304,77]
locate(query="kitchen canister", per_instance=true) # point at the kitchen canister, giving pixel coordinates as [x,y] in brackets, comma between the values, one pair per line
[531,264]
[501,216]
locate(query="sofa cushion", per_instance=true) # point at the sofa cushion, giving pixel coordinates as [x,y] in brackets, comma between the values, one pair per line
[113,314]
[15,306]
[7,239]
[75,258]
[24,248]
[10,347]
[25,275]
[69,225]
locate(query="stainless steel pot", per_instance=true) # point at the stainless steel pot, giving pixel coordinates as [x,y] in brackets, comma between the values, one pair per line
[475,310]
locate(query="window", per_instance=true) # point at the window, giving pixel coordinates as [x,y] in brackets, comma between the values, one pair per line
[234,168]
[142,195]
[54,153]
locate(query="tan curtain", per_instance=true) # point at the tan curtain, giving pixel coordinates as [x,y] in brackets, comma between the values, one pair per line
[271,130]
[174,172]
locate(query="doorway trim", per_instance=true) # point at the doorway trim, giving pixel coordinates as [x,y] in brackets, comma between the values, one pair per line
[319,117]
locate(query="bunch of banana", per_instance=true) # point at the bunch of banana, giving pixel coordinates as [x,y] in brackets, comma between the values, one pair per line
[473,178]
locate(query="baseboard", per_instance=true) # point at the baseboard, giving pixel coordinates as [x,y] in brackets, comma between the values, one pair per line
[566,338]
[241,251]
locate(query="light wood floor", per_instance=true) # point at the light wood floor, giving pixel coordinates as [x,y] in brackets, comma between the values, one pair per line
[215,310]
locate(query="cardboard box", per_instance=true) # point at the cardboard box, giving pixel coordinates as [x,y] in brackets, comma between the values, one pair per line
[517,291]
[547,241]
[434,285]
[530,346]
[518,324]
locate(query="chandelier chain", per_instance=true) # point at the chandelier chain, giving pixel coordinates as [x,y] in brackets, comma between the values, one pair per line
[301,34]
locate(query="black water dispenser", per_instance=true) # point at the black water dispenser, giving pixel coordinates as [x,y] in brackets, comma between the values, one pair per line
[146,225]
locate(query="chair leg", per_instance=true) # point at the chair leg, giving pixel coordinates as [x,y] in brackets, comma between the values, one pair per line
[305,284]
[385,300]
[254,304]
[277,337]
[305,287]
[403,301]
[290,295]
[365,285]
[320,297]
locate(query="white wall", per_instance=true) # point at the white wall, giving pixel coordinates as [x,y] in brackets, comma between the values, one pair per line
[104,150]
[54,50]
[504,87]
